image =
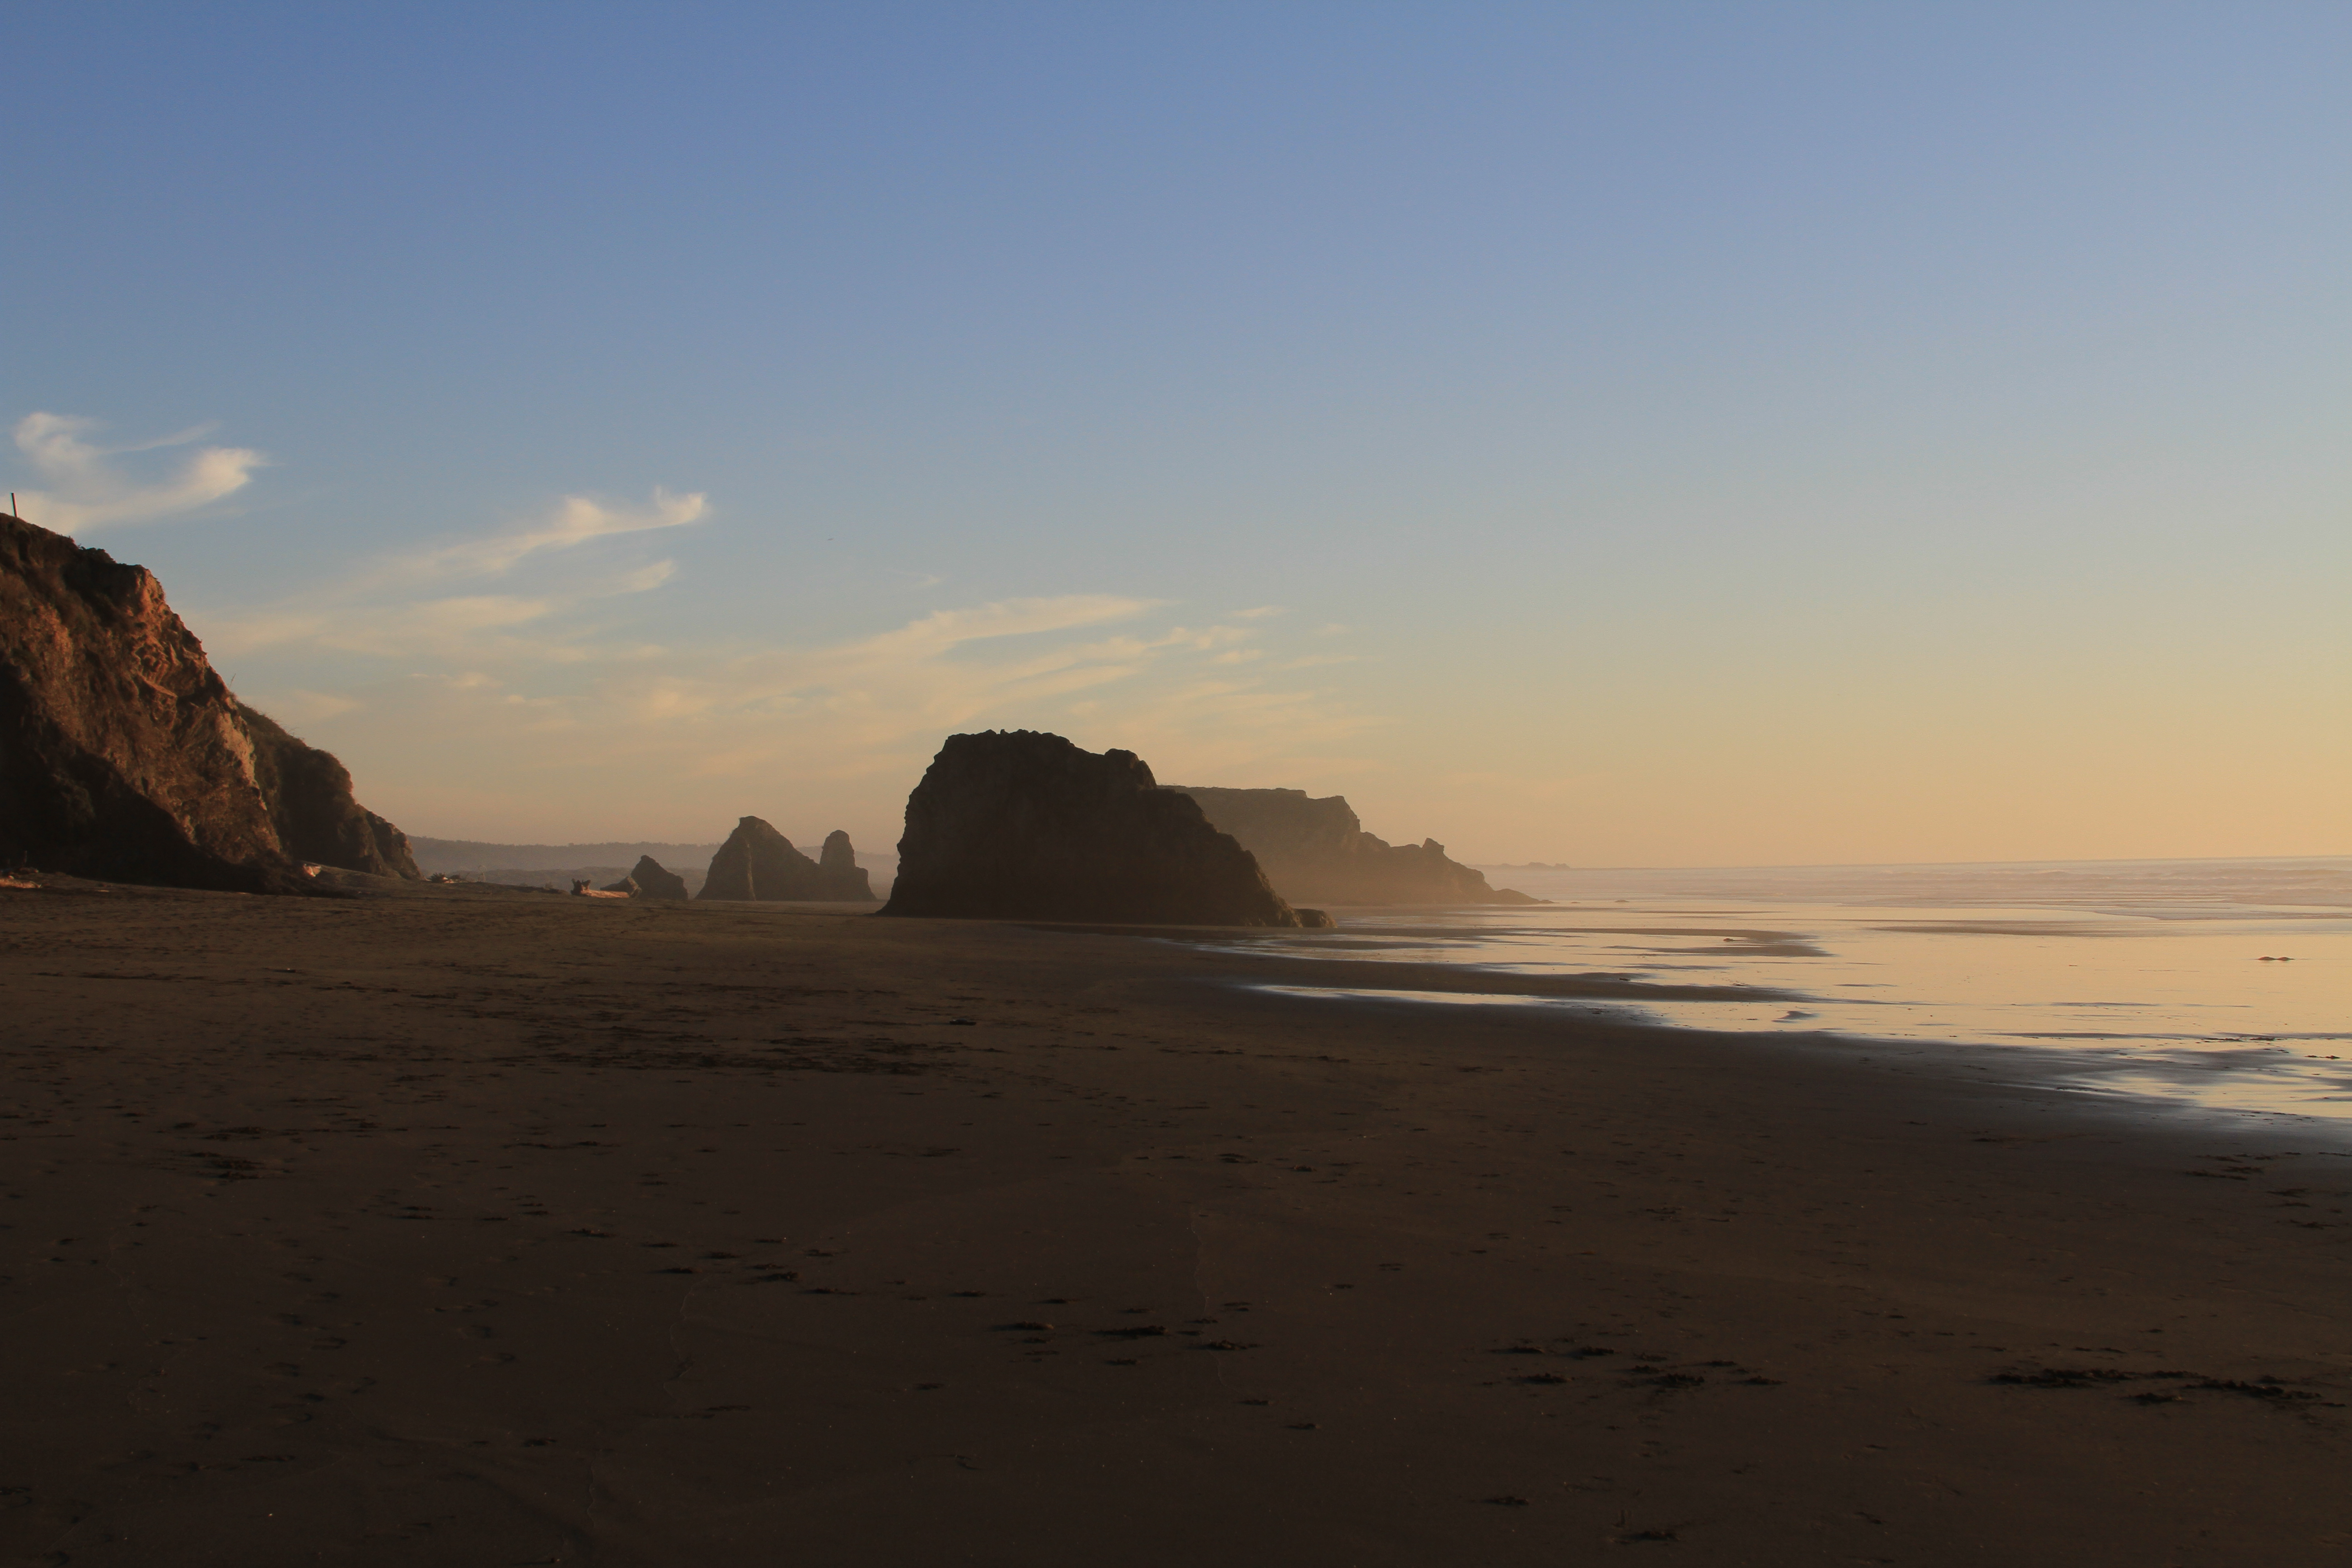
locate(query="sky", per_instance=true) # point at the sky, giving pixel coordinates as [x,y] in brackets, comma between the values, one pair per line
[1612,434]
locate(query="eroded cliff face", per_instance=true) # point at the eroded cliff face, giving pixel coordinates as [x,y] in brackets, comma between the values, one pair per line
[311,805]
[1315,850]
[1023,826]
[757,862]
[123,756]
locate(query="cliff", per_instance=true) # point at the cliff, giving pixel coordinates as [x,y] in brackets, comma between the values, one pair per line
[1023,826]
[757,862]
[123,755]
[311,806]
[1315,850]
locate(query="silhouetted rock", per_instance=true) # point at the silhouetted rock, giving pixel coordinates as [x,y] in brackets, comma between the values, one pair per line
[842,875]
[1023,826]
[124,756]
[650,880]
[757,862]
[1317,849]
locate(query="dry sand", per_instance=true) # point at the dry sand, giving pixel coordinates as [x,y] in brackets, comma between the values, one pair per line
[498,1228]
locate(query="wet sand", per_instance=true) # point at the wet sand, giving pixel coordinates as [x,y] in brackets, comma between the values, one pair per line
[492,1228]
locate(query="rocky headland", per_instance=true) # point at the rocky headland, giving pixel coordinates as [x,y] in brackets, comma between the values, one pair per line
[124,757]
[1315,850]
[757,862]
[1019,824]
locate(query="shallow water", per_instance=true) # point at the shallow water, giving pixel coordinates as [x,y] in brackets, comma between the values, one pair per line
[2134,978]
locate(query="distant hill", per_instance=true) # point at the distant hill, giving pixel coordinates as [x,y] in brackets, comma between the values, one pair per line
[452,856]
[1315,851]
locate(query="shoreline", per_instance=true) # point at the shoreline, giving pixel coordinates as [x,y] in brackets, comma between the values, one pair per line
[2026,1068]
[489,1228]
[2155,1053]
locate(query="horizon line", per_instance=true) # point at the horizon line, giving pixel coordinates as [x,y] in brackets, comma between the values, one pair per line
[1910,865]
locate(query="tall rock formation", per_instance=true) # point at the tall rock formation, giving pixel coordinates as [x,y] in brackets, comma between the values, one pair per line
[1023,826]
[757,862]
[1317,850]
[838,862]
[123,755]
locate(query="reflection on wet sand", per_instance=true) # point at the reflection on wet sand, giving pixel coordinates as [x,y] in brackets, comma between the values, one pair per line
[2168,980]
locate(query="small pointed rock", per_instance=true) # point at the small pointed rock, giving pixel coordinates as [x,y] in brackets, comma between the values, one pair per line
[651,880]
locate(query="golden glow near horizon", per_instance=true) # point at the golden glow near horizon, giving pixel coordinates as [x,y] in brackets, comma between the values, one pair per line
[1652,435]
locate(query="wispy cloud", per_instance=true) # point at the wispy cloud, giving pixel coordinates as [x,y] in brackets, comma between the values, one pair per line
[944,629]
[403,604]
[510,652]
[842,729]
[575,521]
[946,668]
[88,491]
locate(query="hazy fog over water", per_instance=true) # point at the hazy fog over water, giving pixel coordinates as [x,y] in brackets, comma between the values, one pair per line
[1636,435]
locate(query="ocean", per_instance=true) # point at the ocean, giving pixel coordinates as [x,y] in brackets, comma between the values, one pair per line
[2224,984]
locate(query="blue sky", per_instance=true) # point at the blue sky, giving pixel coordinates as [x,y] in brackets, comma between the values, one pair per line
[1617,434]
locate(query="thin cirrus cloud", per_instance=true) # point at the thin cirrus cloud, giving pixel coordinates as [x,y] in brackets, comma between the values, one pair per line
[575,521]
[876,705]
[86,488]
[669,741]
[468,639]
[388,606]
[487,603]
[877,688]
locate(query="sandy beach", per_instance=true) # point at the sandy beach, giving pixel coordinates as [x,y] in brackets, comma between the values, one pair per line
[482,1227]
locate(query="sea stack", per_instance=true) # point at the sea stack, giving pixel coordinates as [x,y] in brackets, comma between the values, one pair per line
[650,880]
[1018,824]
[757,862]
[843,877]
[1315,849]
[123,755]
